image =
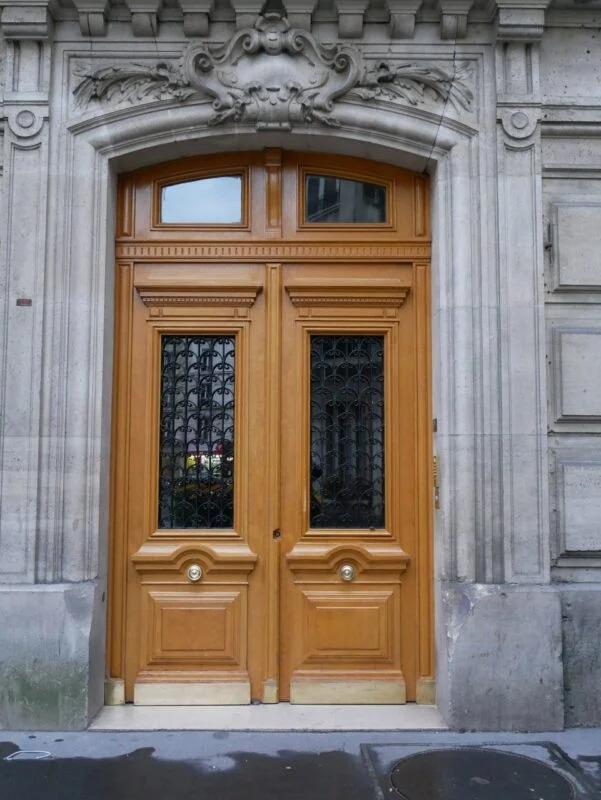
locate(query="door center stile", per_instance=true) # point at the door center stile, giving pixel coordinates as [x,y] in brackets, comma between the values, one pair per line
[273,380]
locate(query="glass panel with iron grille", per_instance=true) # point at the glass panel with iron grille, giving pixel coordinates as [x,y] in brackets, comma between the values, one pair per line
[331,199]
[196,452]
[207,201]
[347,432]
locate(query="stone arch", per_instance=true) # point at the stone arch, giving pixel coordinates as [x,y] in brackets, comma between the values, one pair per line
[97,148]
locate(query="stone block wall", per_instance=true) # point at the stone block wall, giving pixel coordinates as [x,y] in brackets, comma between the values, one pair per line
[516,194]
[572,230]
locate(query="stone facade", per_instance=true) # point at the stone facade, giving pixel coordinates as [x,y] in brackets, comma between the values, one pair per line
[500,103]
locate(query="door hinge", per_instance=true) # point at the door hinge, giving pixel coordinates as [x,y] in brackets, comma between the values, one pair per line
[435,479]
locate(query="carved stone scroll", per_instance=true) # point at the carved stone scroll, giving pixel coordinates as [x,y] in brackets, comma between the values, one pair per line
[275,77]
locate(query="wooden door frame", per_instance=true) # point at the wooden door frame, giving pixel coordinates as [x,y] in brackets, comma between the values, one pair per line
[140,239]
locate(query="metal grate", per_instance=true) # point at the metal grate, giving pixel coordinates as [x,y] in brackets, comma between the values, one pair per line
[477,773]
[196,463]
[347,432]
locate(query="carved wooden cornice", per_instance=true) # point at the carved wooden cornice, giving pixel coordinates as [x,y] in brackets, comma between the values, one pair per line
[168,556]
[378,293]
[236,295]
[320,557]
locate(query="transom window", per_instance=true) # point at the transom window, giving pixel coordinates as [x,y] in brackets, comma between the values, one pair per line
[331,199]
[270,195]
[207,201]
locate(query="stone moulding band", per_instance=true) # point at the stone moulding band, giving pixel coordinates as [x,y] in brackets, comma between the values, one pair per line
[275,77]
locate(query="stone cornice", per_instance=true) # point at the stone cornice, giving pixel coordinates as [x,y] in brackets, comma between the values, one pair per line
[514,20]
[27,19]
[454,14]
[521,21]
[92,16]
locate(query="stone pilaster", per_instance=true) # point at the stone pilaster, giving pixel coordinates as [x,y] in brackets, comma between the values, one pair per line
[526,521]
[51,652]
[27,30]
[499,664]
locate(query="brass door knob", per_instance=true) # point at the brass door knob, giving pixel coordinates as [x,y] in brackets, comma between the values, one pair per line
[194,573]
[347,572]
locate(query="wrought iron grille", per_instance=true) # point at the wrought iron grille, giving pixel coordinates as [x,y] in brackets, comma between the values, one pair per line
[196,462]
[347,432]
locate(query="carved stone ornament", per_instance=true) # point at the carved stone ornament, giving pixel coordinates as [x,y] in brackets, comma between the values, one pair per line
[25,123]
[414,84]
[275,77]
[519,123]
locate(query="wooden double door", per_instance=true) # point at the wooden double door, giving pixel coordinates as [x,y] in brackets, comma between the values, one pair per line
[271,475]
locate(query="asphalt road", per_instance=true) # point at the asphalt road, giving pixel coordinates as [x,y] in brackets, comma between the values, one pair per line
[299,766]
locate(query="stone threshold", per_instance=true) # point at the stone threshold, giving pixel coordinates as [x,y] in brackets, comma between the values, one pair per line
[277,717]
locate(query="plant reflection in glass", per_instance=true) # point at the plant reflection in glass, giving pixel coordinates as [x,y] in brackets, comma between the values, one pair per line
[196,471]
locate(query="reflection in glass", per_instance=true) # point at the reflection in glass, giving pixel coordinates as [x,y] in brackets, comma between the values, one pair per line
[332,199]
[208,201]
[347,432]
[196,458]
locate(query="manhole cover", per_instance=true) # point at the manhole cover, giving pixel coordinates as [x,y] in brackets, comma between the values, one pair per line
[477,774]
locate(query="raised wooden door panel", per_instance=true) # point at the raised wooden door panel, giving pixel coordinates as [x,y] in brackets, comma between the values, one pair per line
[348,483]
[190,627]
[193,521]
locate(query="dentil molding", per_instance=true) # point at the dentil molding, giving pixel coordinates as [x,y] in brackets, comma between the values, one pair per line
[275,76]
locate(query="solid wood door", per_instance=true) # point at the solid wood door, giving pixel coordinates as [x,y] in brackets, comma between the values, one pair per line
[348,484]
[271,446]
[194,513]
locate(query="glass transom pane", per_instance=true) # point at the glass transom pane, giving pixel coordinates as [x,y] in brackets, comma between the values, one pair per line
[207,201]
[196,458]
[347,432]
[331,199]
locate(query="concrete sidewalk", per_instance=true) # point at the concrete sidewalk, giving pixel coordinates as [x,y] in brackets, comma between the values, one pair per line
[221,765]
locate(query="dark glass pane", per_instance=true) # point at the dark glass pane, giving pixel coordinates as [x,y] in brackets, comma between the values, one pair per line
[332,199]
[196,461]
[347,432]
[208,201]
